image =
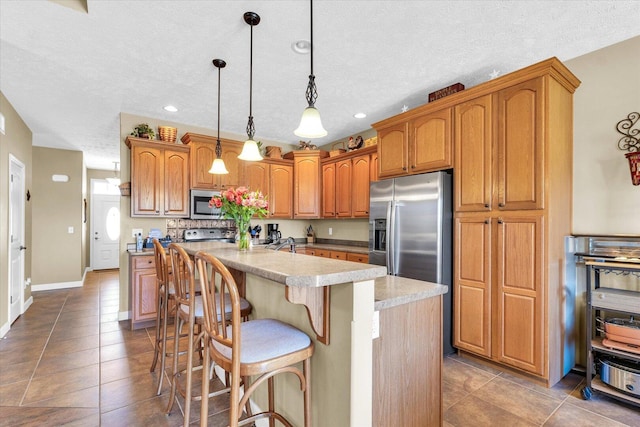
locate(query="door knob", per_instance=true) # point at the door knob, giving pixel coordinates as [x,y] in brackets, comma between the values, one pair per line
[22,248]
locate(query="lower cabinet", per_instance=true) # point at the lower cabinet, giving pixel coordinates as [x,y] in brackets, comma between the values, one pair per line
[499,288]
[144,290]
[326,253]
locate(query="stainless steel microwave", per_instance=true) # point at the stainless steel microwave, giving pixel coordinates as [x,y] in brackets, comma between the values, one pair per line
[200,205]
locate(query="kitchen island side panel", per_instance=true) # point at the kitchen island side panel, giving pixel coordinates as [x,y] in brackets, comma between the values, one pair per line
[330,365]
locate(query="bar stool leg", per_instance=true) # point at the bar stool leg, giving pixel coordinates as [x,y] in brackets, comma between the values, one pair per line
[163,356]
[156,347]
[174,371]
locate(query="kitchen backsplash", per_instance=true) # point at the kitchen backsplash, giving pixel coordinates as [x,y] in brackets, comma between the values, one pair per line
[176,227]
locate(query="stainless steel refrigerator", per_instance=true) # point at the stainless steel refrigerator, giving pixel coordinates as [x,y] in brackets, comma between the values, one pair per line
[410,229]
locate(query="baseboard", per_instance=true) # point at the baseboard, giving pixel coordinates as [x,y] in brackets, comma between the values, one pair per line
[4,329]
[59,285]
[124,315]
[27,304]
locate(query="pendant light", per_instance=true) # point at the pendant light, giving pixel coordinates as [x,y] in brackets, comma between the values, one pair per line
[115,180]
[250,150]
[218,167]
[310,123]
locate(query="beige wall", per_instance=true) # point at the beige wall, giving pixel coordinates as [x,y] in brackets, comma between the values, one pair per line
[604,200]
[17,142]
[57,254]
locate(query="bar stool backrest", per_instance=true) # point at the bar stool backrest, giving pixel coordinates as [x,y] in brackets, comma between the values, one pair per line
[183,272]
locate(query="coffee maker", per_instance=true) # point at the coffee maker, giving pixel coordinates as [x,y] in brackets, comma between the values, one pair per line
[273,235]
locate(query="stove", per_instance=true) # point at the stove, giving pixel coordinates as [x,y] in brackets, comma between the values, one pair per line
[210,234]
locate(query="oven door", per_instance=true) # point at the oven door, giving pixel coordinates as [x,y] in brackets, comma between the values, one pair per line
[200,205]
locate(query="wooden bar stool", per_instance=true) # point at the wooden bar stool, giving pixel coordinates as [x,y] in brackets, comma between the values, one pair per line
[165,309]
[263,348]
[189,313]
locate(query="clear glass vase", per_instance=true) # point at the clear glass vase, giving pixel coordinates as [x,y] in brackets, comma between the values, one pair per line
[242,234]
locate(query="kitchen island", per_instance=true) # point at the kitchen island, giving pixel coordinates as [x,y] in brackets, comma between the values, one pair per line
[334,303]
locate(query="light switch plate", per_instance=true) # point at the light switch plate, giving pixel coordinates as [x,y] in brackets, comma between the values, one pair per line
[70,230]
[135,232]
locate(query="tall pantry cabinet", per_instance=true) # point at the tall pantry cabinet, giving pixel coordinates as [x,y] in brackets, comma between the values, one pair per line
[512,202]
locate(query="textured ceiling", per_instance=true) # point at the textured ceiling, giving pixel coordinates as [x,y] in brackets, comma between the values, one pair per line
[69,74]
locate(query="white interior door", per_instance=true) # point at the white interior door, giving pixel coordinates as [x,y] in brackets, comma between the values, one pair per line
[16,237]
[105,231]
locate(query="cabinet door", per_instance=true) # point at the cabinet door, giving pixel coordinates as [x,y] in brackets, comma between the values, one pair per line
[360,186]
[473,148]
[519,336]
[202,155]
[363,258]
[176,183]
[329,190]
[472,285]
[373,171]
[306,196]
[256,177]
[393,151]
[146,180]
[280,195]
[343,188]
[338,255]
[230,152]
[146,300]
[430,145]
[520,181]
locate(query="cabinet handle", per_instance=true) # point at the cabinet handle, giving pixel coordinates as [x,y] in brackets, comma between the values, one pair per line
[500,221]
[501,205]
[404,168]
[486,205]
[413,166]
[486,221]
[158,211]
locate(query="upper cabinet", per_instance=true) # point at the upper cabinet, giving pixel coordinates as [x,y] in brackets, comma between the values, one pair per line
[345,183]
[203,152]
[274,178]
[307,182]
[159,178]
[418,144]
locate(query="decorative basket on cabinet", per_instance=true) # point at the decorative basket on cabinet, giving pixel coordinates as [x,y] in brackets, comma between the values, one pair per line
[167,133]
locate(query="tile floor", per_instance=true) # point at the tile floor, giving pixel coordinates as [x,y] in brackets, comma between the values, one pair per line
[68,361]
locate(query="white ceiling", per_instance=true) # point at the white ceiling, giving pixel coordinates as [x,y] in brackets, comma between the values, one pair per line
[69,74]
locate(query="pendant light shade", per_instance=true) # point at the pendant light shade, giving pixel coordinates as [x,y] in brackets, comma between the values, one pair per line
[250,150]
[218,167]
[310,123]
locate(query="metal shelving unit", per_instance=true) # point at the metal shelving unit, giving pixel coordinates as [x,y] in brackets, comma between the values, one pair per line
[594,267]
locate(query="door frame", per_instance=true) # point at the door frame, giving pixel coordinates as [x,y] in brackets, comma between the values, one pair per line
[92,223]
[15,162]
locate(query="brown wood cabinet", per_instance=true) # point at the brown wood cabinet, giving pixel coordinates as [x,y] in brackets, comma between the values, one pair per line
[363,258]
[275,179]
[329,190]
[280,194]
[326,253]
[513,162]
[159,178]
[418,144]
[307,182]
[345,184]
[203,152]
[144,290]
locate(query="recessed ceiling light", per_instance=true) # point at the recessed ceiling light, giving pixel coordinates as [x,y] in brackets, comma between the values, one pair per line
[301,46]
[359,115]
[170,108]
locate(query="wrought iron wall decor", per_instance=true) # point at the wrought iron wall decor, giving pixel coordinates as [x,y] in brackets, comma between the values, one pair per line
[630,142]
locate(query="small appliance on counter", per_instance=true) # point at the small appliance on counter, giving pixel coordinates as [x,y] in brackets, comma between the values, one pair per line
[273,235]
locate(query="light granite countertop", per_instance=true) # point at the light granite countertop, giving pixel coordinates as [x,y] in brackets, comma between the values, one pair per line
[391,291]
[288,268]
[306,271]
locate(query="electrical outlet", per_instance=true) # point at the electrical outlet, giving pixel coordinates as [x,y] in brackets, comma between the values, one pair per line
[330,231]
[375,325]
[135,232]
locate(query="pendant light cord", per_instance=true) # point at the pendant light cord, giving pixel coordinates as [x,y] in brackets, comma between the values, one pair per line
[311,14]
[218,147]
[251,130]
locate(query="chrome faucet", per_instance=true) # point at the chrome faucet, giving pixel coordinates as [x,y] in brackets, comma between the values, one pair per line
[290,241]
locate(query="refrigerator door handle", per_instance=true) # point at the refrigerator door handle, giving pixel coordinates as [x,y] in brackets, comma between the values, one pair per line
[391,237]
